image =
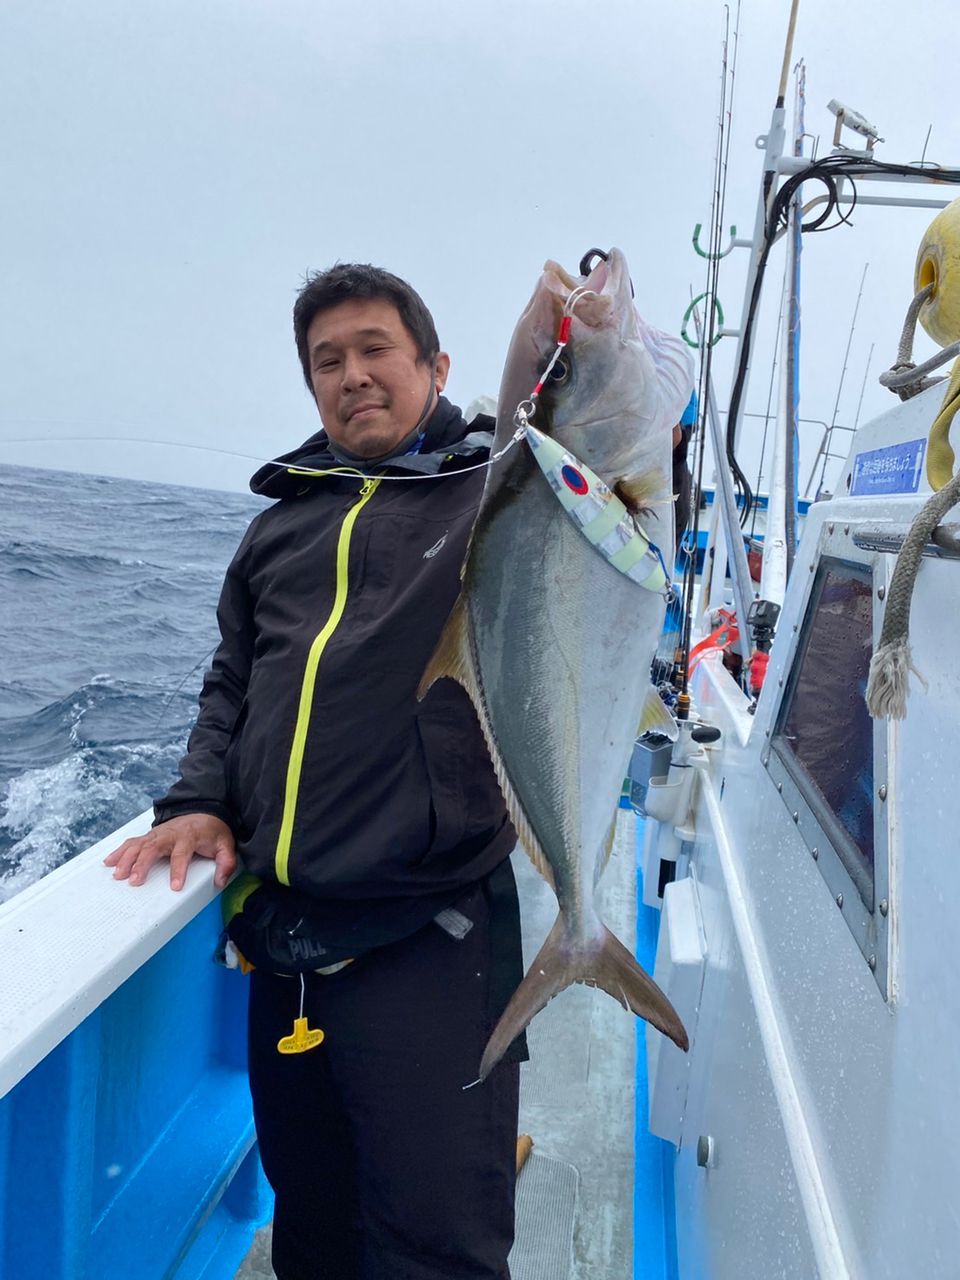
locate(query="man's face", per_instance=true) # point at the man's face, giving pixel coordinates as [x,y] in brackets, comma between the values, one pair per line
[369,385]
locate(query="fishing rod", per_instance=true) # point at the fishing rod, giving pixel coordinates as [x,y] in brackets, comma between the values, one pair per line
[773,143]
[708,338]
[828,434]
[766,419]
[863,387]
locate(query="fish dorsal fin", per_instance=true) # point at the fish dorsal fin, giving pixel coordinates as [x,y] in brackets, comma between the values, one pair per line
[453,659]
[656,718]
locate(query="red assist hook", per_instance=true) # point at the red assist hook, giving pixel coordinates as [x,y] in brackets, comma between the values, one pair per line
[563,337]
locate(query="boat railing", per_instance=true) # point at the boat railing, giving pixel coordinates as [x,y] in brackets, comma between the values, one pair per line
[126,1136]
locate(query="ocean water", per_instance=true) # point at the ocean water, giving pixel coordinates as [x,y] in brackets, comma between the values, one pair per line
[108,593]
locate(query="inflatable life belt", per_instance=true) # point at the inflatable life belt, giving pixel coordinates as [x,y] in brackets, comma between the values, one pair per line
[938,263]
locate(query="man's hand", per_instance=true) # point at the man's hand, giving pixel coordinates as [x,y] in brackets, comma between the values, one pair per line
[179,840]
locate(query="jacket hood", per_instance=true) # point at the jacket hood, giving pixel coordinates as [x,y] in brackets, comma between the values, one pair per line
[444,432]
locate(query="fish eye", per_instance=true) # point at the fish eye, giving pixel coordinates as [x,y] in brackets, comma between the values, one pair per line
[560,371]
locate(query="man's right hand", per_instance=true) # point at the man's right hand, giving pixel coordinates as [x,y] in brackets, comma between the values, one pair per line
[179,839]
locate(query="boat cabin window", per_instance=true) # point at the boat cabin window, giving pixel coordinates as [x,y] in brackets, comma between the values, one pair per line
[824,734]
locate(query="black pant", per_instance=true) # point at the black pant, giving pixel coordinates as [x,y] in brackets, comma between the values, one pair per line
[383,1165]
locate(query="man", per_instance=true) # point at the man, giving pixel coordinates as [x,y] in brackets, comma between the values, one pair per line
[682,480]
[384,912]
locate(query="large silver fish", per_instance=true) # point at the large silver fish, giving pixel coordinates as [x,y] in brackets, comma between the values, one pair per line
[554,644]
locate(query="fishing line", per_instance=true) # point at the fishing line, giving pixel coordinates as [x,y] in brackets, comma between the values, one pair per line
[100,439]
[739,476]
[522,415]
[362,475]
[523,412]
[249,457]
[196,667]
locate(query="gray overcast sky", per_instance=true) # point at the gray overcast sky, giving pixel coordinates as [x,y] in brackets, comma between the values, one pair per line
[170,170]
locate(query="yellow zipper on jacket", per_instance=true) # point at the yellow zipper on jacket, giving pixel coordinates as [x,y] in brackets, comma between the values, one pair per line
[295,765]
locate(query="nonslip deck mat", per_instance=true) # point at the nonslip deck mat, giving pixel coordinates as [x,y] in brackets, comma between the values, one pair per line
[547,1193]
[256,1265]
[556,1075]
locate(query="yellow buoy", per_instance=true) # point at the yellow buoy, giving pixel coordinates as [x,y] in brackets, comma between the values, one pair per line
[938,263]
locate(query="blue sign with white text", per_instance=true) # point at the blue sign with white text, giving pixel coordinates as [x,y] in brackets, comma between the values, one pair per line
[895,469]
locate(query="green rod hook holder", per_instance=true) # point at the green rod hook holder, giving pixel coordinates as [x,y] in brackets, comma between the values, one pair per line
[689,312]
[713,256]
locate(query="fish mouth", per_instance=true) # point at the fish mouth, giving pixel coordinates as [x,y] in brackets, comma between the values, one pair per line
[595,300]
[599,305]
[609,276]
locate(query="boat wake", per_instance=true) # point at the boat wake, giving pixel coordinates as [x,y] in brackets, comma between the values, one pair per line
[109,591]
[92,770]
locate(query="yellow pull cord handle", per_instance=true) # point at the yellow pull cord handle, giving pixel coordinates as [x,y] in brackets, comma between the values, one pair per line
[303,1037]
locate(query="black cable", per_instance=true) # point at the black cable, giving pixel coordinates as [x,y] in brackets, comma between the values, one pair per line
[826,171]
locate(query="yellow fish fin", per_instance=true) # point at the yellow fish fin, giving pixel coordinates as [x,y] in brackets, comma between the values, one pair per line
[655,717]
[605,963]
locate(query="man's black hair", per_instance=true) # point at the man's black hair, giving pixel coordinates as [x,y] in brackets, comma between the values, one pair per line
[325,289]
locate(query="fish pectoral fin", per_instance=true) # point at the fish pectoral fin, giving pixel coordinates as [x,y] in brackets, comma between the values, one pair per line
[656,718]
[451,658]
[559,963]
[640,493]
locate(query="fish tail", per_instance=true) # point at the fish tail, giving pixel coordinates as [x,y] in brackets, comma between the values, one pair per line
[559,964]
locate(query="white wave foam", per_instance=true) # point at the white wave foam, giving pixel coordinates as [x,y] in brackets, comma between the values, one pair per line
[43,807]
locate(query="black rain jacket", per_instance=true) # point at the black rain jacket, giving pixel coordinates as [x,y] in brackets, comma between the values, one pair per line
[310,742]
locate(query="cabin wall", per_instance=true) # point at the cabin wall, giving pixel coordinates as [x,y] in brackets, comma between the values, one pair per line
[832,1109]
